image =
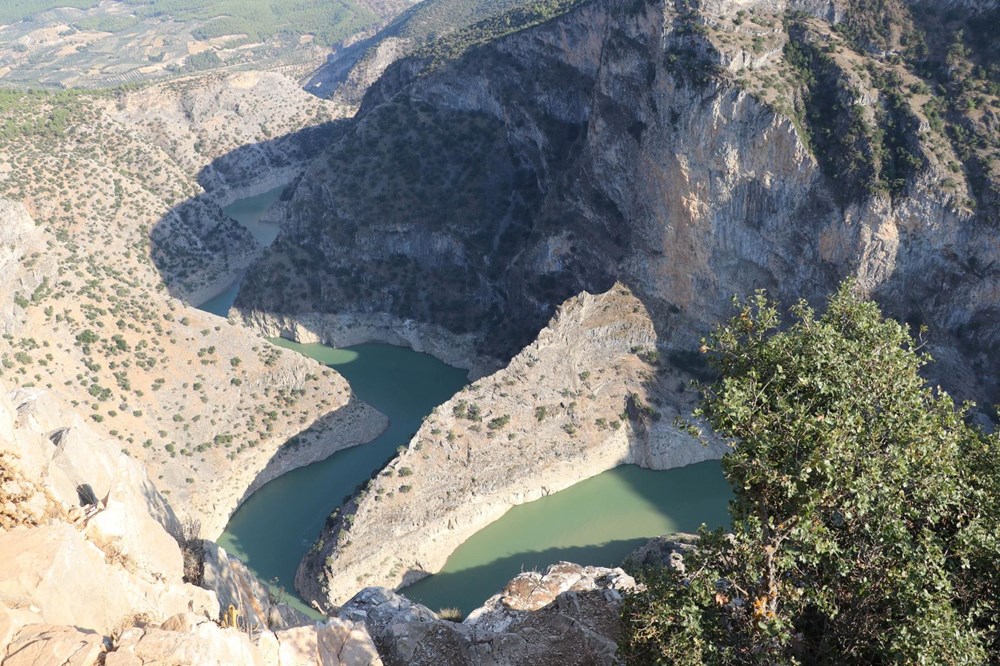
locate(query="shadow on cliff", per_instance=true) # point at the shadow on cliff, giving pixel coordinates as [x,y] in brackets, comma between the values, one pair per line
[197,233]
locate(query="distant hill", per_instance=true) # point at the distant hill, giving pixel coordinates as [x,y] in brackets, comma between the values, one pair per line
[426,28]
[87,43]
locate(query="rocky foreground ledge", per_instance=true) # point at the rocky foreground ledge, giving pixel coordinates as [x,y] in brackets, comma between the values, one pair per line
[97,570]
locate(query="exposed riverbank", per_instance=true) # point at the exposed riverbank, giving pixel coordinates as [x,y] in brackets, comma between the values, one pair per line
[347,330]
[590,394]
[349,424]
[598,522]
[278,524]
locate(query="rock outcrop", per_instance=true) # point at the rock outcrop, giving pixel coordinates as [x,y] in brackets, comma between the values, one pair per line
[592,392]
[91,571]
[235,585]
[566,616]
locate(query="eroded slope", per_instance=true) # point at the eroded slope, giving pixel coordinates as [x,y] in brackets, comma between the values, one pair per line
[85,314]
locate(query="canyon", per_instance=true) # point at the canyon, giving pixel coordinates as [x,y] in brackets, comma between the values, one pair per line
[677,152]
[559,198]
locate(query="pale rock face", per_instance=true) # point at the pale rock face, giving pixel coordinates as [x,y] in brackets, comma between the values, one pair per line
[234,584]
[38,644]
[71,581]
[183,639]
[335,642]
[135,516]
[575,403]
[112,563]
[19,237]
[14,233]
[566,616]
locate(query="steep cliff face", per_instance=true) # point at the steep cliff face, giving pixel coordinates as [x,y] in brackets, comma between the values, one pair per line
[690,150]
[93,574]
[231,136]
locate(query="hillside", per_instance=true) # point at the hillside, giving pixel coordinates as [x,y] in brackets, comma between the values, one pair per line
[106,219]
[93,44]
[689,151]
[349,71]
[474,159]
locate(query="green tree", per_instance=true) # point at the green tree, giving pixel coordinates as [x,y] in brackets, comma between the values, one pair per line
[865,512]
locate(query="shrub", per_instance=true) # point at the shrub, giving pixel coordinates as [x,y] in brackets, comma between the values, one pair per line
[865,508]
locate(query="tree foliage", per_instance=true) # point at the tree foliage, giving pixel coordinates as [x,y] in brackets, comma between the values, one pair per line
[865,511]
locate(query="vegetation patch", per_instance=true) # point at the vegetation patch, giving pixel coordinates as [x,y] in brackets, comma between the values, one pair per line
[866,508]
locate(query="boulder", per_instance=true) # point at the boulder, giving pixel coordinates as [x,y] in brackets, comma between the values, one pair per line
[337,642]
[39,644]
[71,581]
[662,551]
[566,616]
[184,639]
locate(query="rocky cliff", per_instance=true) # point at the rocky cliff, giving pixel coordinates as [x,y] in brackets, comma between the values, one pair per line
[232,136]
[94,572]
[592,392]
[85,312]
[688,150]
[566,616]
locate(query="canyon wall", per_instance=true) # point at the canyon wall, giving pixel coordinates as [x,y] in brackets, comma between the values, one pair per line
[686,151]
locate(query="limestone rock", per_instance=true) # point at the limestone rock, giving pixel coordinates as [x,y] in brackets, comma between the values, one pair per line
[39,644]
[235,585]
[72,461]
[336,642]
[566,616]
[183,640]
[662,551]
[71,581]
[11,621]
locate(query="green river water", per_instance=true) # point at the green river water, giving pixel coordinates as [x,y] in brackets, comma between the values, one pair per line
[597,521]
[248,213]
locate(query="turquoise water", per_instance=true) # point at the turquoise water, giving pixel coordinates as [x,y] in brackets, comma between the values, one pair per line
[273,530]
[598,522]
[248,213]
[220,303]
